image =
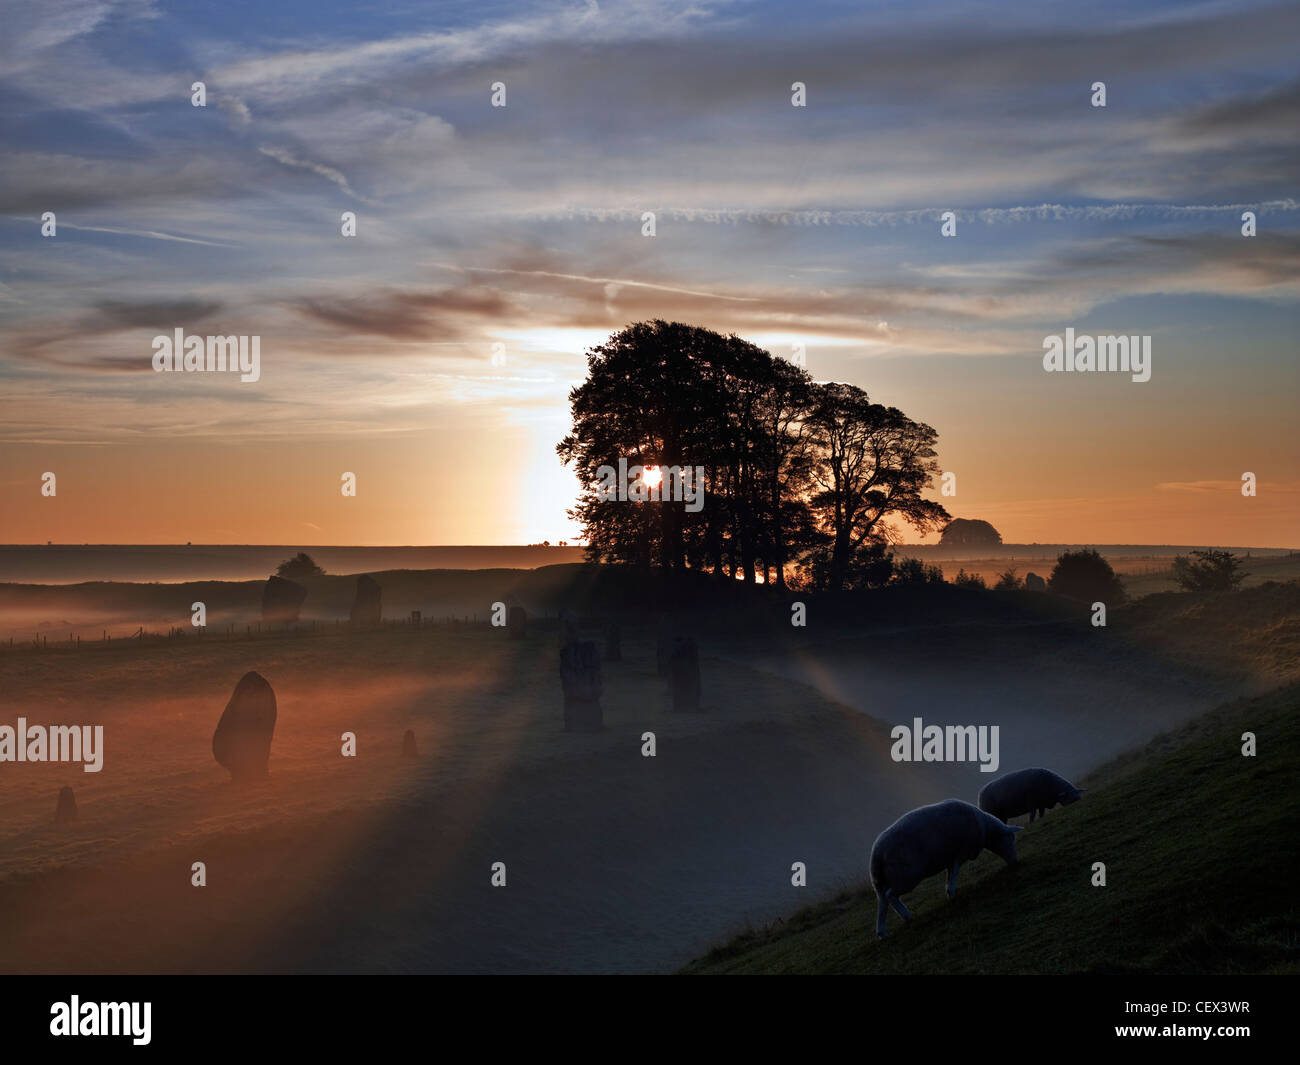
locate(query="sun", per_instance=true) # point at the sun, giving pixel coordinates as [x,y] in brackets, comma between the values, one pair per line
[652,476]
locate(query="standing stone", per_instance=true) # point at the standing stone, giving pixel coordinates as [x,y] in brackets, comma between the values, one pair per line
[613,643]
[685,676]
[517,623]
[1035,583]
[409,749]
[664,645]
[580,678]
[242,742]
[281,600]
[415,618]
[568,628]
[66,811]
[367,608]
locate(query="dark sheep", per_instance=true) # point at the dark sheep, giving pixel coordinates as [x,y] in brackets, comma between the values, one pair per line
[1026,791]
[928,840]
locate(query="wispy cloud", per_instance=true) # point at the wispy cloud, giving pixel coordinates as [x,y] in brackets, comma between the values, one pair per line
[282,155]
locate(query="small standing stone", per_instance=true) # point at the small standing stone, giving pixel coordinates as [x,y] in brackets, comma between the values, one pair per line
[568,628]
[367,604]
[67,809]
[664,645]
[517,623]
[580,678]
[409,749]
[685,676]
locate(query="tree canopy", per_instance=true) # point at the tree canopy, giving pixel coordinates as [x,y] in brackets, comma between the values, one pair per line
[795,472]
[970,532]
[1208,571]
[1085,575]
[301,565]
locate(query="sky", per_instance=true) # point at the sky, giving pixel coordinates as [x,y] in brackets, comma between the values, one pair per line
[431,354]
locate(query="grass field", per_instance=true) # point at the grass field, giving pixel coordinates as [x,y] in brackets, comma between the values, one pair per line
[1199,845]
[620,862]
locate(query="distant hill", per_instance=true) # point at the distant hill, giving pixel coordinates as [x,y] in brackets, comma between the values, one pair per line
[73,563]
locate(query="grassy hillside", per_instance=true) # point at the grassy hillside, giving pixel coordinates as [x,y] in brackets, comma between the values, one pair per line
[1200,851]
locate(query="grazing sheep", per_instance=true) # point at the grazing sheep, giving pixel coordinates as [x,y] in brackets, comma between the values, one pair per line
[929,840]
[1026,791]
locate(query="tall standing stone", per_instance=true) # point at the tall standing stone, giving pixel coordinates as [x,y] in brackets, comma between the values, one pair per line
[568,629]
[66,811]
[282,600]
[664,645]
[409,750]
[1035,583]
[580,678]
[367,604]
[517,623]
[242,741]
[685,677]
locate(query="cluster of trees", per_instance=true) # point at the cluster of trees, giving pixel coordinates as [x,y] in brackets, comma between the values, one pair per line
[301,565]
[970,532]
[800,475]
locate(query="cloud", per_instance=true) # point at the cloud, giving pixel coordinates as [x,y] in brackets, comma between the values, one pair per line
[429,315]
[150,234]
[287,158]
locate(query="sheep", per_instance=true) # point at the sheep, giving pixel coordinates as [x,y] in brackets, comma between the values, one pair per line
[1026,791]
[929,840]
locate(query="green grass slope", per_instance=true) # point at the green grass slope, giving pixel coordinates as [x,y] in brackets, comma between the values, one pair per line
[1201,855]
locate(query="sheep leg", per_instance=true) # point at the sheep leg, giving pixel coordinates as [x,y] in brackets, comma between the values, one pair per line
[952,879]
[897,903]
[882,908]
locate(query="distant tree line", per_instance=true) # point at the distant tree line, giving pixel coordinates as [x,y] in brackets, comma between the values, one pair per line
[800,475]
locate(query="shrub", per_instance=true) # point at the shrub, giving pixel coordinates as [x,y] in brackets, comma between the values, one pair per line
[1008,581]
[1086,576]
[1212,571]
[914,571]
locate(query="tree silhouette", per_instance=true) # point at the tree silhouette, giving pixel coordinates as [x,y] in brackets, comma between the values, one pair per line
[970,532]
[1212,571]
[871,462]
[301,565]
[793,470]
[1086,576]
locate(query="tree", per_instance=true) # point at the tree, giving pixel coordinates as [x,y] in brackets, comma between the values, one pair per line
[871,566]
[872,462]
[655,395]
[1086,576]
[791,468]
[1008,581]
[914,571]
[968,580]
[301,565]
[1212,571]
[970,532]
